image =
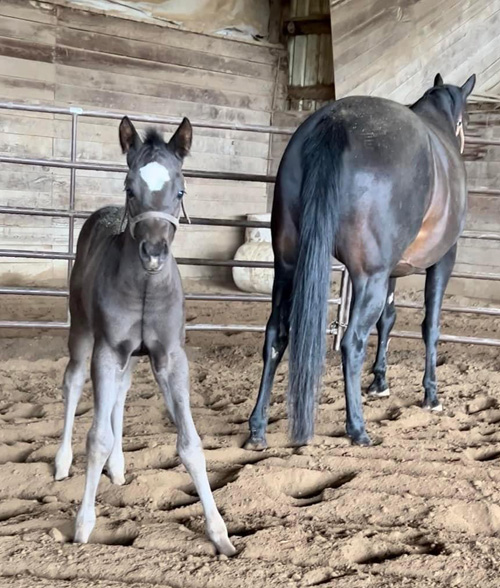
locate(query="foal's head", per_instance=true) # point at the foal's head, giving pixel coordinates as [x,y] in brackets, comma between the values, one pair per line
[453,101]
[155,188]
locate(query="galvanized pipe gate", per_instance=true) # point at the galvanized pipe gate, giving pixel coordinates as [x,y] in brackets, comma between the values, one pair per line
[342,302]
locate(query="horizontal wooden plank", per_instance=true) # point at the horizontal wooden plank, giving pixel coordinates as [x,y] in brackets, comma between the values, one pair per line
[22,90]
[26,49]
[162,71]
[74,95]
[128,84]
[106,131]
[38,12]
[16,28]
[154,52]
[27,69]
[164,35]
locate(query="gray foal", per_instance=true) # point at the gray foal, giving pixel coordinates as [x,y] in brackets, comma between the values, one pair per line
[126,299]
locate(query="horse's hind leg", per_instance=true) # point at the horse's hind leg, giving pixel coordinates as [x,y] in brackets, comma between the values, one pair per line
[435,285]
[379,387]
[116,462]
[369,297]
[172,374]
[275,344]
[80,346]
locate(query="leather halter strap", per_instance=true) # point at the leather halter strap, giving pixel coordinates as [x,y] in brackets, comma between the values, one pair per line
[133,220]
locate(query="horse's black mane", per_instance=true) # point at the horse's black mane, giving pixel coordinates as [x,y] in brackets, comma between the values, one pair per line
[154,138]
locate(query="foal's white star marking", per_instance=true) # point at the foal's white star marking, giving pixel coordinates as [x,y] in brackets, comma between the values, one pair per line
[155,175]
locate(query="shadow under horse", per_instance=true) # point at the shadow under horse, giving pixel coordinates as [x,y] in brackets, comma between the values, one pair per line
[382,187]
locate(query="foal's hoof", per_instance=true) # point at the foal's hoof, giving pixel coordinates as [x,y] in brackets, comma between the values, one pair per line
[62,464]
[83,529]
[432,406]
[255,443]
[61,474]
[225,547]
[117,479]
[375,393]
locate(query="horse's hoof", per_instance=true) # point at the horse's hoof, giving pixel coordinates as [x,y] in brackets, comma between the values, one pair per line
[363,440]
[433,408]
[255,444]
[374,393]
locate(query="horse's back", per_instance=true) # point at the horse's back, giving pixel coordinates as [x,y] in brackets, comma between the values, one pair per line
[94,248]
[397,170]
[101,224]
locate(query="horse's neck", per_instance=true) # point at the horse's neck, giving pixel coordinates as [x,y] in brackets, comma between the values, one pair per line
[435,119]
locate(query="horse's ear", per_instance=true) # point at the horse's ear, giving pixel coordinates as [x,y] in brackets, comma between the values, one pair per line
[129,137]
[468,86]
[438,80]
[180,143]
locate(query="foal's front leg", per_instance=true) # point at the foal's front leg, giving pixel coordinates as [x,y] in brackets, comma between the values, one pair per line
[104,370]
[172,374]
[116,462]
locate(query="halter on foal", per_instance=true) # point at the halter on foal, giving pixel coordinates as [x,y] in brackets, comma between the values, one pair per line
[126,299]
[382,187]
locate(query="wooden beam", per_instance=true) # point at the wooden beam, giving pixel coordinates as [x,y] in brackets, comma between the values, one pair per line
[314,24]
[316,92]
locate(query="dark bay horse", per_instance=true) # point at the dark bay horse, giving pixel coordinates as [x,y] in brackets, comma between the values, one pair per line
[382,187]
[126,299]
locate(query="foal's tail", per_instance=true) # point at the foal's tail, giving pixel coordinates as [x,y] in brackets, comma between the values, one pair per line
[322,154]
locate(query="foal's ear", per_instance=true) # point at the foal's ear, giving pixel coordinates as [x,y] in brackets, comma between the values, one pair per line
[129,137]
[468,86]
[438,80]
[180,143]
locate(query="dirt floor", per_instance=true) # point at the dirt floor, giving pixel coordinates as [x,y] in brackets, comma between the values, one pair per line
[420,509]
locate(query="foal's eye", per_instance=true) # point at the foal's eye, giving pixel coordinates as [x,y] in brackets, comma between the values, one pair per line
[181,193]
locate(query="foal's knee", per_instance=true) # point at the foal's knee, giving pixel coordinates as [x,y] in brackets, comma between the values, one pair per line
[100,442]
[191,454]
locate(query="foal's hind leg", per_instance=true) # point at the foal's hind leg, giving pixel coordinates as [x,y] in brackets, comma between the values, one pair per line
[172,375]
[435,284]
[379,387]
[116,462]
[80,346]
[275,344]
[100,440]
[369,296]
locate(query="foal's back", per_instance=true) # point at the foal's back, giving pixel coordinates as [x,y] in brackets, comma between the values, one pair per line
[96,250]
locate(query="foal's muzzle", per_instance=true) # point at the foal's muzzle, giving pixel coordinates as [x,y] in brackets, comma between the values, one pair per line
[153,256]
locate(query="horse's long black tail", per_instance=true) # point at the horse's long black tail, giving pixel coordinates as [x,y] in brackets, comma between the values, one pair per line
[322,154]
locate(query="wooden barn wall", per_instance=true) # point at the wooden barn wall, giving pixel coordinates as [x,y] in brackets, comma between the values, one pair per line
[60,56]
[394,48]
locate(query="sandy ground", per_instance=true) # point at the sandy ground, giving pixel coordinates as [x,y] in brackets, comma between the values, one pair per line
[421,509]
